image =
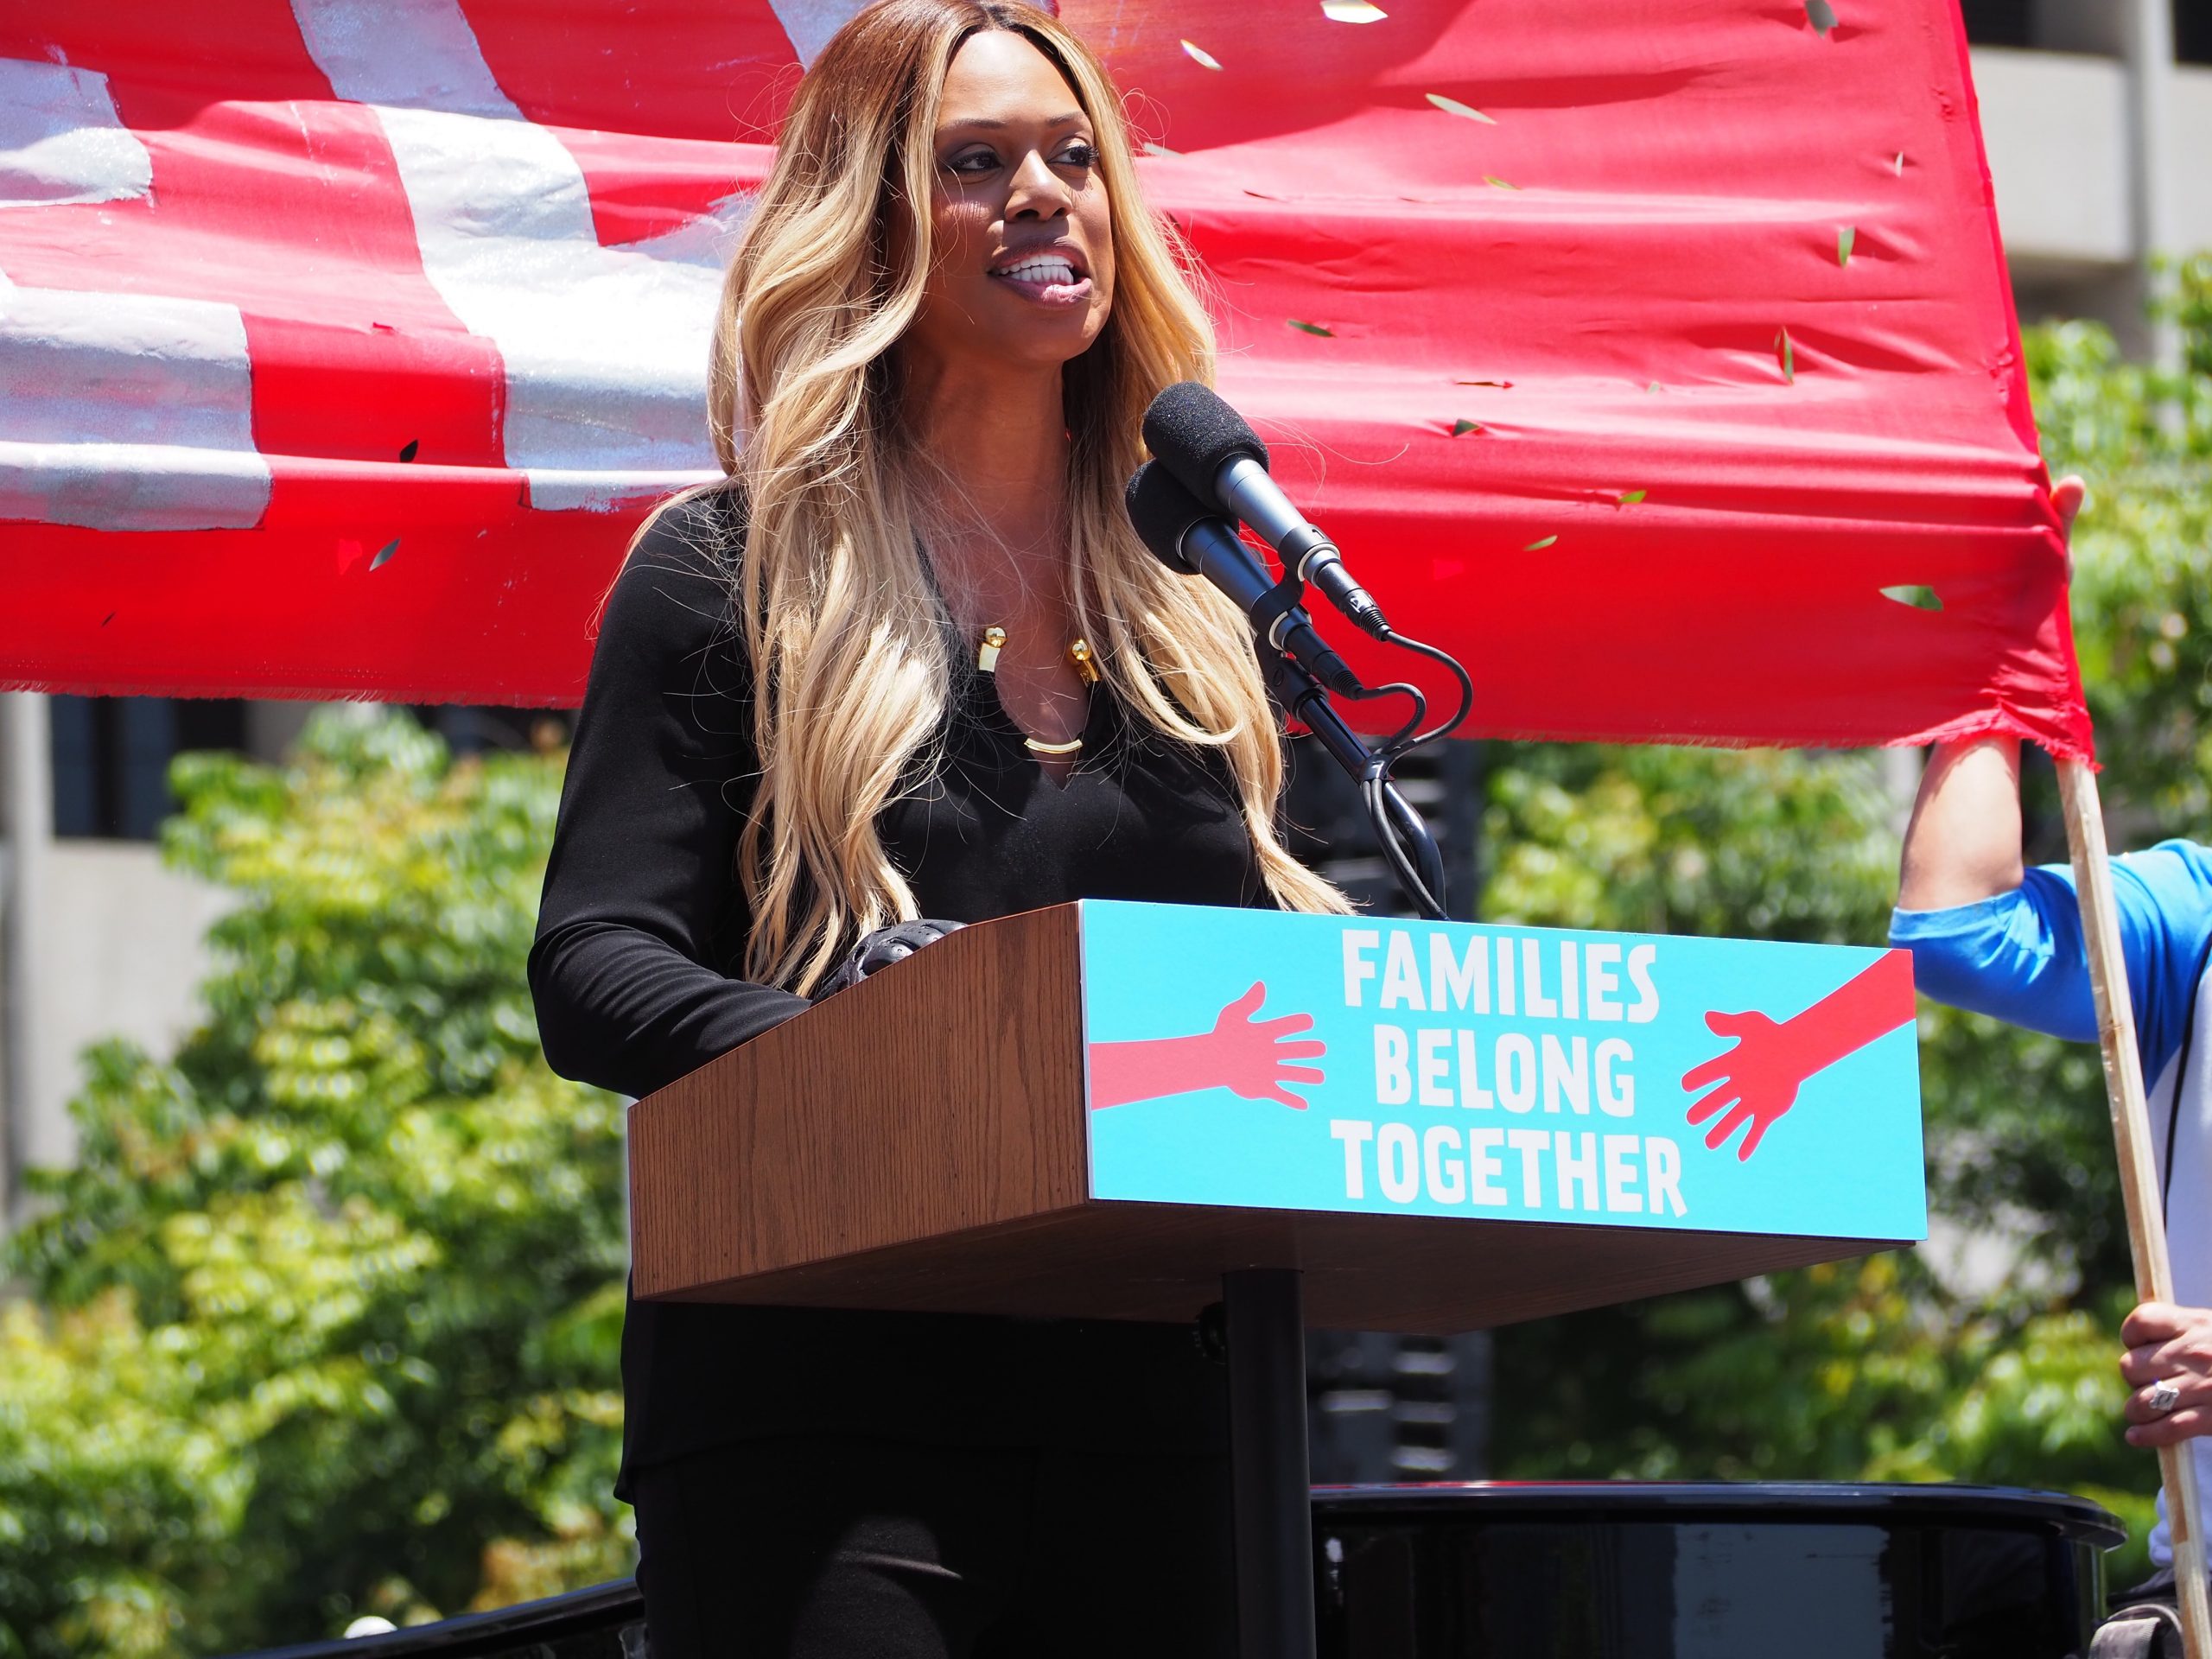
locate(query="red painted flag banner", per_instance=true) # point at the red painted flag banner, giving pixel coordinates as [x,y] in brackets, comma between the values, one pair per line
[1659,362]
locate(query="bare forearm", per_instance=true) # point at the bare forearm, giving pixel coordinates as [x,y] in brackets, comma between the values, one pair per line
[1963,843]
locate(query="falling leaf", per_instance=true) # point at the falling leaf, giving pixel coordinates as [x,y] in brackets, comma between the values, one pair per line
[407,449]
[1538,546]
[1453,106]
[1919,597]
[1503,385]
[1352,11]
[384,552]
[1844,238]
[1786,353]
[1200,56]
[1312,328]
[1151,149]
[1461,428]
[1821,15]
[1897,166]
[1654,386]
[1630,497]
[1500,183]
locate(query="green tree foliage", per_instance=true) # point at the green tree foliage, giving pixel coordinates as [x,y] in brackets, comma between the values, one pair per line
[2143,597]
[2001,1369]
[1868,1370]
[325,1320]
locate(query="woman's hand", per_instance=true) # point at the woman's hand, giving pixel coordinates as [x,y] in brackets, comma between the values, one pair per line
[879,949]
[2168,1364]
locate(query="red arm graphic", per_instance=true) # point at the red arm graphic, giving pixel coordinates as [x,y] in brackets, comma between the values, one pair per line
[1756,1081]
[1252,1058]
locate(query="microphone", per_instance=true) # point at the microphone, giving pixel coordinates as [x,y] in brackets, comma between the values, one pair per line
[1219,459]
[1190,537]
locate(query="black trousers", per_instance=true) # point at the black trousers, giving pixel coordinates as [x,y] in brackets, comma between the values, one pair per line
[820,1548]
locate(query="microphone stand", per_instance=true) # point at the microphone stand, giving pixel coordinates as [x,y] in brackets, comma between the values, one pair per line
[1405,840]
[1263,1308]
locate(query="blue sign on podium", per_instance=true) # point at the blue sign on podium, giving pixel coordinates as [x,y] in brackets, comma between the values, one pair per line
[1501,1074]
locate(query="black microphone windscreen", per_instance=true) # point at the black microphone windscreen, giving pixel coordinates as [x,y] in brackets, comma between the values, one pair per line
[1163,512]
[1195,434]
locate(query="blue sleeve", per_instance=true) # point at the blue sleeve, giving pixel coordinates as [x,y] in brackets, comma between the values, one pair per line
[2020,957]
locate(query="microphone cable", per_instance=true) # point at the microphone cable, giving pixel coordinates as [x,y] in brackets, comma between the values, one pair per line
[1397,827]
[1404,839]
[1422,648]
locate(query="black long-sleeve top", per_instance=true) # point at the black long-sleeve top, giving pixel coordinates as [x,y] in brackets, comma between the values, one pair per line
[637,976]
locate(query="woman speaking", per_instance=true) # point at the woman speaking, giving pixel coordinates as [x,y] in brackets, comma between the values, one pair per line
[908,660]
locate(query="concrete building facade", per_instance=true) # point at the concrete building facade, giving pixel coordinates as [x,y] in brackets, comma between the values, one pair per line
[2097,116]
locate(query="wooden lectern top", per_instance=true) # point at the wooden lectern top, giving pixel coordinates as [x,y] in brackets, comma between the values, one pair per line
[932,1139]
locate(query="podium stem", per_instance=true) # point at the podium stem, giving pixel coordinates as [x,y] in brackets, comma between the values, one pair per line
[1270,1471]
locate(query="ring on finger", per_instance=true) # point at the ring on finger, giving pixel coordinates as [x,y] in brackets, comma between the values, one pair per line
[2163,1398]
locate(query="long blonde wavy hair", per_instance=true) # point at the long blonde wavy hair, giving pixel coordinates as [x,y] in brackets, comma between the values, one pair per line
[853,650]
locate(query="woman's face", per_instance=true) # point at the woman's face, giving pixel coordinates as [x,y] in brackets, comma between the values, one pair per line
[1023,269]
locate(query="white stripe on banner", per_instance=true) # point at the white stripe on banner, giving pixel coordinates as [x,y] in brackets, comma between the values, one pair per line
[126,411]
[605,348]
[810,24]
[60,140]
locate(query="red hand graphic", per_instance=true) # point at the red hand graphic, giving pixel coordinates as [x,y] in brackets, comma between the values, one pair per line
[1756,1081]
[1255,1058]
[1758,1078]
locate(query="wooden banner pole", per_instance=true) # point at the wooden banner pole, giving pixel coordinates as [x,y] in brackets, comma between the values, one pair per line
[2138,1177]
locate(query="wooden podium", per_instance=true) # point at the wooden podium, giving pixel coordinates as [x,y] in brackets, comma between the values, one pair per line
[925,1142]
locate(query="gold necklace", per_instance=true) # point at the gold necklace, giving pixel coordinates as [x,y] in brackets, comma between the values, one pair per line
[1079,658]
